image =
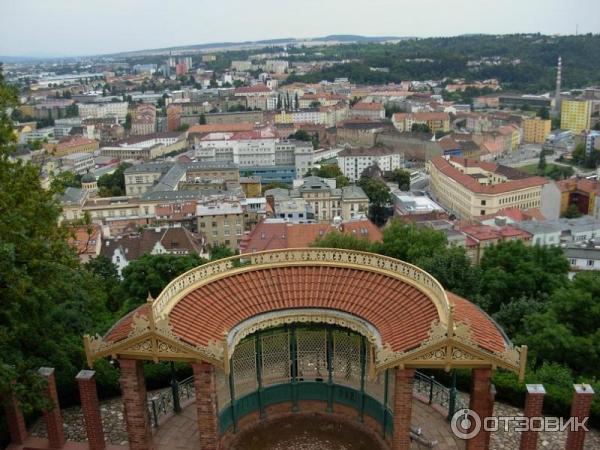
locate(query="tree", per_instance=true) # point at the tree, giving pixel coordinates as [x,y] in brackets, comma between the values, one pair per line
[543,113]
[568,331]
[541,167]
[183,127]
[113,184]
[296,101]
[279,104]
[409,243]
[379,198]
[402,177]
[219,252]
[572,212]
[48,300]
[202,119]
[150,274]
[512,271]
[301,135]
[64,180]
[335,239]
[315,104]
[128,120]
[420,128]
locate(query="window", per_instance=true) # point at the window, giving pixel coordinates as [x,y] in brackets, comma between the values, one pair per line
[202,225]
[590,263]
[482,212]
[214,224]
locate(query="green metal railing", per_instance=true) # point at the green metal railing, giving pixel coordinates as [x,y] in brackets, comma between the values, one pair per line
[170,400]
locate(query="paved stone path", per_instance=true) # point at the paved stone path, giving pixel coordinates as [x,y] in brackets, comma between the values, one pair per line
[181,429]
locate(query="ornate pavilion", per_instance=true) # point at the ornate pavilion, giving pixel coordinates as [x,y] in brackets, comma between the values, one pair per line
[297,331]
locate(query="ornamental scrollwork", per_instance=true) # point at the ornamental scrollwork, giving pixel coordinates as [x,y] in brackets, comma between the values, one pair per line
[97,344]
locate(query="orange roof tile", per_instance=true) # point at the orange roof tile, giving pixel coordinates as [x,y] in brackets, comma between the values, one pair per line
[473,185]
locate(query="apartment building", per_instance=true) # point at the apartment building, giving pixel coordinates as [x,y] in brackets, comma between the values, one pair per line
[575,115]
[102,110]
[143,178]
[147,147]
[471,188]
[353,161]
[79,163]
[367,111]
[221,223]
[536,130]
[144,119]
[324,199]
[72,144]
[436,121]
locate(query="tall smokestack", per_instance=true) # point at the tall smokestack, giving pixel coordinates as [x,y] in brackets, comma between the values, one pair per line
[558,80]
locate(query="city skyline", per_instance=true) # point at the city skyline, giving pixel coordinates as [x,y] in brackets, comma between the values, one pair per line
[136,25]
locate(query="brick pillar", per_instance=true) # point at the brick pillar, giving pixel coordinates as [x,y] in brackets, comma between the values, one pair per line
[403,396]
[205,384]
[133,389]
[53,419]
[533,408]
[91,409]
[15,420]
[580,409]
[482,404]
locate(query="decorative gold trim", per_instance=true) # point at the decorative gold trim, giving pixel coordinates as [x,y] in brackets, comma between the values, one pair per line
[449,343]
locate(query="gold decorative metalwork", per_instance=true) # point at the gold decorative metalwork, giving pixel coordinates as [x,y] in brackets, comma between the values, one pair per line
[448,344]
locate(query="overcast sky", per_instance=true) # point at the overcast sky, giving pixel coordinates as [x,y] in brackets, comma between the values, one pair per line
[83,27]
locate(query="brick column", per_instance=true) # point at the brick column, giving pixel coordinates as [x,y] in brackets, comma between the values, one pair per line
[533,408]
[403,396]
[133,389]
[53,419]
[580,409]
[205,384]
[15,420]
[91,409]
[482,403]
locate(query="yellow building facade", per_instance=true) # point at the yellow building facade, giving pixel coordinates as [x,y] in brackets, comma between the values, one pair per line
[575,115]
[471,189]
[536,130]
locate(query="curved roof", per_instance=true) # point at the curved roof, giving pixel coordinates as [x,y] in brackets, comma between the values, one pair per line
[407,307]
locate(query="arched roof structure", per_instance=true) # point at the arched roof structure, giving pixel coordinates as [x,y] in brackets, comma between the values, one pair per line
[404,312]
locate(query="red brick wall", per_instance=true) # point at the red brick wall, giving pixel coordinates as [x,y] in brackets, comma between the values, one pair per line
[205,384]
[15,420]
[403,394]
[533,408]
[90,407]
[481,402]
[133,389]
[580,408]
[53,419]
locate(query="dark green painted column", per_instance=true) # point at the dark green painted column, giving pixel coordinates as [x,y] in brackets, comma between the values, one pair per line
[294,355]
[232,395]
[258,352]
[329,370]
[452,397]
[363,371]
[386,380]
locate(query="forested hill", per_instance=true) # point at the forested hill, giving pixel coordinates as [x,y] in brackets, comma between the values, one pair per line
[524,62]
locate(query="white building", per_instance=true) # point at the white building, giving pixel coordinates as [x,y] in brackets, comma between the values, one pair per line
[79,163]
[353,161]
[101,110]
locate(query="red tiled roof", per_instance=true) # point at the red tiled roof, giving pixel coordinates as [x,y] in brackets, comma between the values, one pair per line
[485,332]
[368,106]
[257,88]
[400,312]
[276,236]
[473,185]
